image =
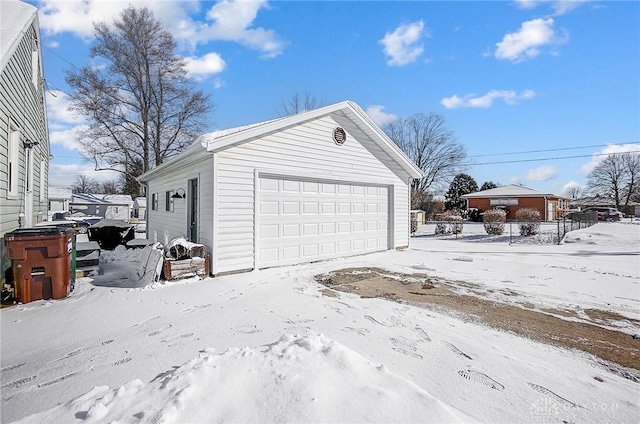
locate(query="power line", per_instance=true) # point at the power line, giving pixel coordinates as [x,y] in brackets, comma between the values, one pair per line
[545,159]
[549,150]
[65,60]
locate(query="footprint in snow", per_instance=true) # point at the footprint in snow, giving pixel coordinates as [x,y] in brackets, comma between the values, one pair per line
[159,330]
[552,395]
[361,331]
[481,378]
[246,329]
[456,350]
[373,320]
[423,334]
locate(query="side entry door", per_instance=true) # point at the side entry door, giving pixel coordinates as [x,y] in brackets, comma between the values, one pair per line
[192,211]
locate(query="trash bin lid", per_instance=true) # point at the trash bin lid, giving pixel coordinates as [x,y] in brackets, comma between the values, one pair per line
[39,231]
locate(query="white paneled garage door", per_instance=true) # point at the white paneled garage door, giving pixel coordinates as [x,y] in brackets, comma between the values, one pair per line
[305,220]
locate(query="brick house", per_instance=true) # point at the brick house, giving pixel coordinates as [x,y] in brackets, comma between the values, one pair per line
[511,198]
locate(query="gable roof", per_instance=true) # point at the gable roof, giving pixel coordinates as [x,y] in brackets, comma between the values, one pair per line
[346,110]
[60,193]
[509,191]
[15,18]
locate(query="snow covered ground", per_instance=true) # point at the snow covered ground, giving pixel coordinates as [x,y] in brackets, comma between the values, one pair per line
[267,346]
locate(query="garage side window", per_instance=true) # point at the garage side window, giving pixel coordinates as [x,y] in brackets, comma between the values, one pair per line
[168,201]
[154,201]
[14,152]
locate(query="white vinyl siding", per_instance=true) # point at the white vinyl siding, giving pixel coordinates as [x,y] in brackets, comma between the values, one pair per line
[306,150]
[163,225]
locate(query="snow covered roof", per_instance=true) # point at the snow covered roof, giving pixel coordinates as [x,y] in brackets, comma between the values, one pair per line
[120,199]
[117,198]
[60,193]
[509,191]
[15,18]
[220,140]
[140,202]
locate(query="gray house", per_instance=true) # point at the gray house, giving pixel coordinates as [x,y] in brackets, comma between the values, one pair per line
[322,184]
[24,136]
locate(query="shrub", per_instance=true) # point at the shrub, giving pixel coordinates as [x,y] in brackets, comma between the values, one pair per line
[449,222]
[494,220]
[473,214]
[528,221]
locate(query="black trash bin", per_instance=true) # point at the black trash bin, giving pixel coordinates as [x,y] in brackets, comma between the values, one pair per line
[41,262]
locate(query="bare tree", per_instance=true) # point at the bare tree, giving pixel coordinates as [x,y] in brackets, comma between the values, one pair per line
[298,103]
[631,164]
[110,187]
[141,106]
[430,145]
[85,185]
[573,192]
[617,176]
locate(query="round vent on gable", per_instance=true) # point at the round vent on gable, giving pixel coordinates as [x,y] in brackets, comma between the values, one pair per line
[339,135]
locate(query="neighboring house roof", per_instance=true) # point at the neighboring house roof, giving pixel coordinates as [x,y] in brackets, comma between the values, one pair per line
[60,193]
[509,191]
[221,140]
[140,202]
[120,199]
[15,18]
[117,198]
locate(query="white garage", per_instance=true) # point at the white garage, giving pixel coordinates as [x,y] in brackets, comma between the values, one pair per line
[318,185]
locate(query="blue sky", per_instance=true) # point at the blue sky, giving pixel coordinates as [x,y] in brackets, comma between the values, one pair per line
[558,77]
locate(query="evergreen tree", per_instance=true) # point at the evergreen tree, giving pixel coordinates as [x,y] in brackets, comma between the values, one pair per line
[487,185]
[461,184]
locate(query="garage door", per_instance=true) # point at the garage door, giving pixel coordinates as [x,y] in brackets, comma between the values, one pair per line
[305,220]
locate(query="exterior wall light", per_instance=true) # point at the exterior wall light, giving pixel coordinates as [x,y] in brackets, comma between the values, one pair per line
[179,194]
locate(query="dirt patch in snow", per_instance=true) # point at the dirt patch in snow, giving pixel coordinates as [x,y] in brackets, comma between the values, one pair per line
[467,301]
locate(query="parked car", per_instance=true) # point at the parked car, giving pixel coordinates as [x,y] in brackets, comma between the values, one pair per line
[606,214]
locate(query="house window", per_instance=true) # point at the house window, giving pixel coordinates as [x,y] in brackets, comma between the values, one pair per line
[168,201]
[43,173]
[154,201]
[35,64]
[14,155]
[503,202]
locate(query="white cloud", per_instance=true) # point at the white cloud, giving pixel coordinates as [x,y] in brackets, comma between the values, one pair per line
[611,148]
[199,68]
[560,7]
[218,83]
[527,4]
[377,114]
[53,44]
[64,124]
[64,175]
[510,97]
[571,184]
[58,108]
[542,173]
[228,20]
[66,137]
[526,43]
[402,45]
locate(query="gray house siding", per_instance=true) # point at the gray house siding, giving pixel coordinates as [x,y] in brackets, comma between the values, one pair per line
[22,109]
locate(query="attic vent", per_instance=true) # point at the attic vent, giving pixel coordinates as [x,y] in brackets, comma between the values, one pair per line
[339,135]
